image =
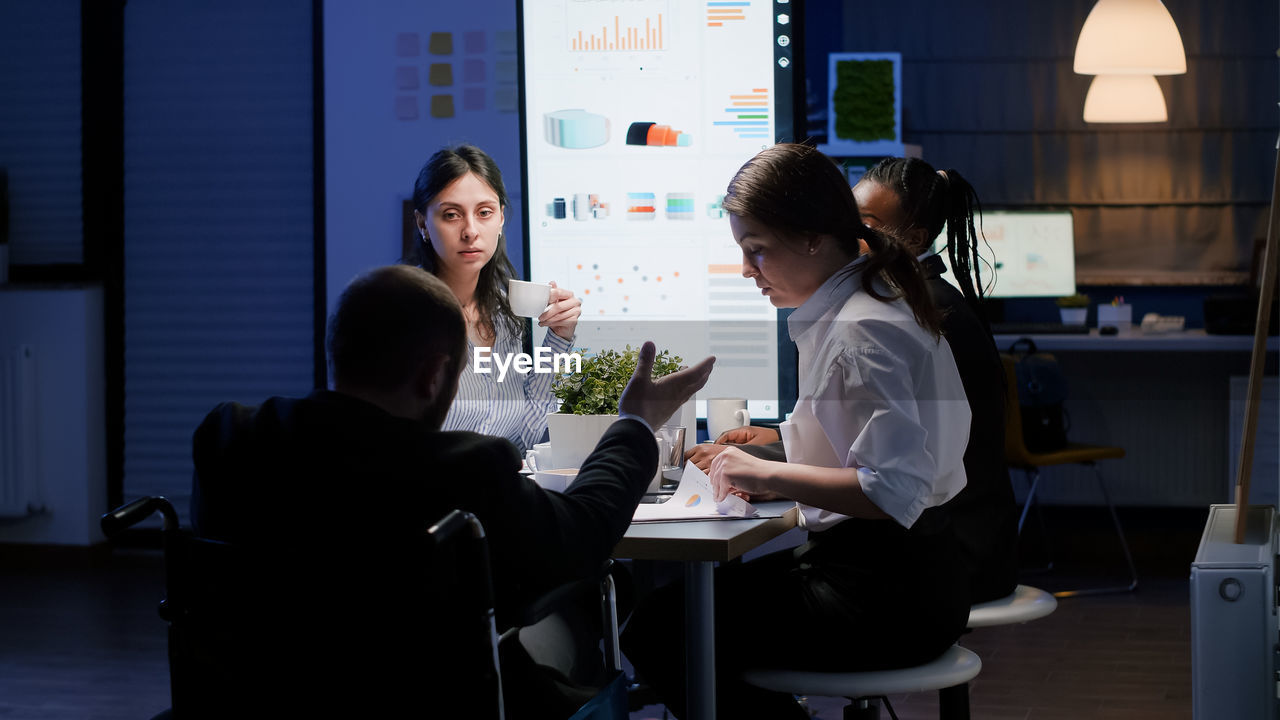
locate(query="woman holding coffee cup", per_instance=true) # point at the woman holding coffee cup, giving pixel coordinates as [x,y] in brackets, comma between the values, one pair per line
[459,205]
[874,448]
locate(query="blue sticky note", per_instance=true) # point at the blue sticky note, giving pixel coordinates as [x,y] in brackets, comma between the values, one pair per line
[406,107]
[408,45]
[472,70]
[473,98]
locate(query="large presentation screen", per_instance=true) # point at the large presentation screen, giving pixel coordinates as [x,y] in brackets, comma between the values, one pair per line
[635,115]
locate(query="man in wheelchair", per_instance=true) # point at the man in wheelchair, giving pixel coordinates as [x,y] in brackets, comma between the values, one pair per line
[331,494]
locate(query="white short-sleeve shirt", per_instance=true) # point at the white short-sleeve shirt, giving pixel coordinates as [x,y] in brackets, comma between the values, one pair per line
[877,393]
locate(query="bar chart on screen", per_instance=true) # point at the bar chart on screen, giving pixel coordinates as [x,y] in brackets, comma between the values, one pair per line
[617,25]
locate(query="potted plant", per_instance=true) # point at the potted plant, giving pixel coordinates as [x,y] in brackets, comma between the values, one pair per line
[1073,308]
[589,400]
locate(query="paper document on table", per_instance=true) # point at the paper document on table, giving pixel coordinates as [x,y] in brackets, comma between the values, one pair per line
[694,500]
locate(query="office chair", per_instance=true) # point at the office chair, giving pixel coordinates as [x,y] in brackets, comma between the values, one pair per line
[249,636]
[949,674]
[1019,457]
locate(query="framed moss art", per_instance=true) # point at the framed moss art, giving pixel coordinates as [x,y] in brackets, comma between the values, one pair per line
[864,104]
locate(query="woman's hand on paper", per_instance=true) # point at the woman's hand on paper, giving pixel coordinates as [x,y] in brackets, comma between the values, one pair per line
[562,313]
[733,471]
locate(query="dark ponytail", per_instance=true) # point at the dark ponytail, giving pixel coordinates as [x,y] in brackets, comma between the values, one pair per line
[931,199]
[800,190]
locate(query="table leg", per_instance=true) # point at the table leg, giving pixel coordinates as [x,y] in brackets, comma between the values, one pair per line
[700,645]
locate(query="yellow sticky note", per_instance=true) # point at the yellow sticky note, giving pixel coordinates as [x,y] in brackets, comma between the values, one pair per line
[441,43]
[441,106]
[440,74]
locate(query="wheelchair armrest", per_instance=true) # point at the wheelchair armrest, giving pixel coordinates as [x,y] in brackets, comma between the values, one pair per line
[128,515]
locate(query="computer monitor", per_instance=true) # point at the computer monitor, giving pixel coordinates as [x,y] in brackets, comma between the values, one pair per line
[1032,253]
[635,115]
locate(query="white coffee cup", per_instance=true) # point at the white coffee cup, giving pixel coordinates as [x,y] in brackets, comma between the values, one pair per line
[528,299]
[726,414]
[540,457]
[557,480]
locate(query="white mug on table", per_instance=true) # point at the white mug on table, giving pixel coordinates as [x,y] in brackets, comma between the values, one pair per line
[726,414]
[539,457]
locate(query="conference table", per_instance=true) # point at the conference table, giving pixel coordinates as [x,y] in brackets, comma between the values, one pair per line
[700,544]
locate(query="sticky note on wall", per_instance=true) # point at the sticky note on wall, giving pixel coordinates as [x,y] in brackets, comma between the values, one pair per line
[442,106]
[407,45]
[440,74]
[441,43]
[406,107]
[406,77]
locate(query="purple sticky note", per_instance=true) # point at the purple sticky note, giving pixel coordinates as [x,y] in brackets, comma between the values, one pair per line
[406,77]
[473,41]
[472,70]
[408,45]
[406,107]
[505,98]
[473,98]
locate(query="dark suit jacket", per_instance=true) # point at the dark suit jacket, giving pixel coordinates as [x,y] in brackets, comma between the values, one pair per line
[341,493]
[984,514]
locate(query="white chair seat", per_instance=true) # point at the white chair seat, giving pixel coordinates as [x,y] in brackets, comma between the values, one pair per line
[1025,604]
[954,667]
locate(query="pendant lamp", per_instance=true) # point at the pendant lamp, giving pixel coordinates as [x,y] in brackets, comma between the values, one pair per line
[1130,37]
[1124,99]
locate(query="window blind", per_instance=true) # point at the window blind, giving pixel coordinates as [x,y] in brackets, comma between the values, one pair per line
[40,129]
[218,222]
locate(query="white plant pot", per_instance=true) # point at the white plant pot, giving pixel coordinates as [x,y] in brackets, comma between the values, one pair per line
[573,437]
[1074,316]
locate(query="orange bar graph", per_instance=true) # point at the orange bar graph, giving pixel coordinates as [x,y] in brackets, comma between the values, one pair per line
[621,37]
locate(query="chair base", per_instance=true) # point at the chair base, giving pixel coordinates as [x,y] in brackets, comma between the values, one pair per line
[1032,475]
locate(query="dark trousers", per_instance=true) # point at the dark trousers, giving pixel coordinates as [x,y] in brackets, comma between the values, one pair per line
[865,594]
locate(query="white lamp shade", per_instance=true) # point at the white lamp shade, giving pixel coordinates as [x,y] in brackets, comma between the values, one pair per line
[1130,37]
[1124,99]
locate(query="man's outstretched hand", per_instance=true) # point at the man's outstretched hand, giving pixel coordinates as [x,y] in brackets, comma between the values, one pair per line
[657,400]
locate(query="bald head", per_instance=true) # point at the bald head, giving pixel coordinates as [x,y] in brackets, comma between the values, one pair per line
[391,325]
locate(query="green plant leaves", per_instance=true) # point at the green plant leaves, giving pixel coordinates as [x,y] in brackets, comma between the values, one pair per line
[863,100]
[597,389]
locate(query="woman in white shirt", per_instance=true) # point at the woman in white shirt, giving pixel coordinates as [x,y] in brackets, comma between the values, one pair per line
[459,203]
[874,447]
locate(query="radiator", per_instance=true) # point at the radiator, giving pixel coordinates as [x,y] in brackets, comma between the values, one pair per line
[19,439]
[1233,618]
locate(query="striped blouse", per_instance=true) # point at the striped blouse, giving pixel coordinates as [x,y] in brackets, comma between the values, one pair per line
[514,408]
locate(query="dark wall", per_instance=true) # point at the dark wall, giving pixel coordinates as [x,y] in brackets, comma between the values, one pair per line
[988,89]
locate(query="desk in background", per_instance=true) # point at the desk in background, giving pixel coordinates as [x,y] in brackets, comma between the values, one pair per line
[700,545]
[1136,341]
[1164,398]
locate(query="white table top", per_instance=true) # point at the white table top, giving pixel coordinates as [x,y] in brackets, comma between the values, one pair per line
[706,540]
[1137,341]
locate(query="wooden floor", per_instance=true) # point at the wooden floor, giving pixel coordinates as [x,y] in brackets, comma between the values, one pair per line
[81,639]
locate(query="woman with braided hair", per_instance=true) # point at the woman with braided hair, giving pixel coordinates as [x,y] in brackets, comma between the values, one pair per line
[906,199]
